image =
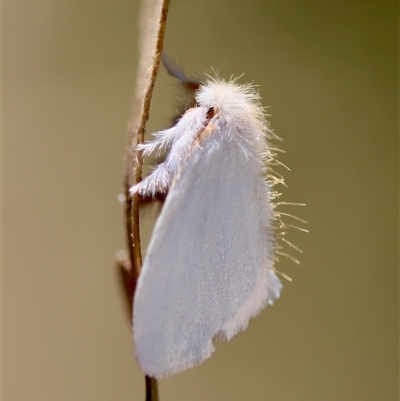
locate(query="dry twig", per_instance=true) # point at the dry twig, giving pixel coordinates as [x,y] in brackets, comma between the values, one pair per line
[153,17]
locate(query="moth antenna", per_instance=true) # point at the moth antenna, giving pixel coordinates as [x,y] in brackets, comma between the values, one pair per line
[190,84]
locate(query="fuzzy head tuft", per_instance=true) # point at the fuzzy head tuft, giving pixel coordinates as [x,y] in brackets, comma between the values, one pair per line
[231,99]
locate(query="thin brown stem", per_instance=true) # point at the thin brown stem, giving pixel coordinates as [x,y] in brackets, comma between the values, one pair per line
[153,20]
[151,389]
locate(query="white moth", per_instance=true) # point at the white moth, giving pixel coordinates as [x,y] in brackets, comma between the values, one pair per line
[209,265]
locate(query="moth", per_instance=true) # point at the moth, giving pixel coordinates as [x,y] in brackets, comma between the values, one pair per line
[209,266]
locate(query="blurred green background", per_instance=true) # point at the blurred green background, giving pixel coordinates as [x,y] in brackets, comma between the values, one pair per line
[328,69]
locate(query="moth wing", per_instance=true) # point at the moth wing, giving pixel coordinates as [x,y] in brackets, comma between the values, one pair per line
[208,268]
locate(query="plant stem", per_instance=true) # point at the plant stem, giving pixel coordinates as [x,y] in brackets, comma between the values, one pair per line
[153,20]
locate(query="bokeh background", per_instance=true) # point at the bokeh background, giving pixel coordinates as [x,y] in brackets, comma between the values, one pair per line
[329,70]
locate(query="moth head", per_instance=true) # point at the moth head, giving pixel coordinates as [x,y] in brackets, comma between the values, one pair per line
[240,103]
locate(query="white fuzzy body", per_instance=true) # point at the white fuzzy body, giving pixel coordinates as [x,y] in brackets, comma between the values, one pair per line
[209,265]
